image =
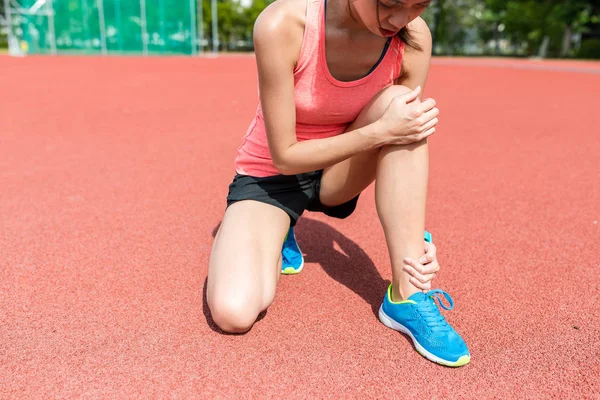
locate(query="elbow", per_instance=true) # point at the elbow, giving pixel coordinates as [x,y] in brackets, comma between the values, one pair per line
[286,162]
[283,168]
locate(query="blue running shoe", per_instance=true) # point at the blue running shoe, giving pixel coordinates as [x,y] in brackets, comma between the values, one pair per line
[292,260]
[420,318]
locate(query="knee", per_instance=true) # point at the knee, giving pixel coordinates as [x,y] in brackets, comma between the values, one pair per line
[390,92]
[375,109]
[233,313]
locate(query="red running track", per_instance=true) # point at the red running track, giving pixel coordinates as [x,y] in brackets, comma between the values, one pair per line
[113,176]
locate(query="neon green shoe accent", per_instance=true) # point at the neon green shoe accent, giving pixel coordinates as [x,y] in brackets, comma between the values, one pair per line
[389,293]
[463,360]
[290,271]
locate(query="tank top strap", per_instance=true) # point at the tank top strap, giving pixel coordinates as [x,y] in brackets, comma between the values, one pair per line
[310,41]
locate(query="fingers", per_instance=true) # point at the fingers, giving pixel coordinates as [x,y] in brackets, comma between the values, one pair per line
[404,140]
[423,286]
[421,275]
[410,96]
[426,119]
[431,114]
[415,268]
[426,105]
[429,125]
[422,117]
[430,253]
[425,134]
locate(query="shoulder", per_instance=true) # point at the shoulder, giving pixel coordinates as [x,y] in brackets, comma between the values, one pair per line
[415,62]
[417,57]
[280,26]
[421,34]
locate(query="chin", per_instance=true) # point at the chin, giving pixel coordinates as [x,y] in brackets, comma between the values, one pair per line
[374,29]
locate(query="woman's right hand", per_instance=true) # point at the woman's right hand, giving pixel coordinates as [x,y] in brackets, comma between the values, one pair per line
[408,119]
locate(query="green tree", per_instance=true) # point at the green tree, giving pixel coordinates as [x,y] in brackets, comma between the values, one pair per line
[3,36]
[453,24]
[235,22]
[542,26]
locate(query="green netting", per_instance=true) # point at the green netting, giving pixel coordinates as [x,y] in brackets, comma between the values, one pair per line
[113,26]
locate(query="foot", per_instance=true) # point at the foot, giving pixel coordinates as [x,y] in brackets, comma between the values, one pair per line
[420,319]
[292,260]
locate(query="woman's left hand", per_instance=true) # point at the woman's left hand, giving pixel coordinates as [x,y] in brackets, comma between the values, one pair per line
[423,270]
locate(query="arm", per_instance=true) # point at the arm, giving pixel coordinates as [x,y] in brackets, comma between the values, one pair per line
[277,39]
[415,64]
[275,29]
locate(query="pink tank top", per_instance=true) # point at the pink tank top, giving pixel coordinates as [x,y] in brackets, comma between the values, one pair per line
[325,106]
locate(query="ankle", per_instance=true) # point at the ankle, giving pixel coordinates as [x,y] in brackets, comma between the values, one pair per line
[402,292]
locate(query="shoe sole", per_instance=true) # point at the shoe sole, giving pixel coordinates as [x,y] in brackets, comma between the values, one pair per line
[390,323]
[292,270]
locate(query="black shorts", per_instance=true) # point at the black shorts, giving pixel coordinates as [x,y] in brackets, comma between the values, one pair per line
[292,193]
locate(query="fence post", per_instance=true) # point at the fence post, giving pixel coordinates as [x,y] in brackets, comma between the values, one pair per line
[144,28]
[11,38]
[193,33]
[101,22]
[50,8]
[215,27]
[201,27]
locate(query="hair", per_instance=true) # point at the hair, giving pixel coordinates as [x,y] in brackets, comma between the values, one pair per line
[404,35]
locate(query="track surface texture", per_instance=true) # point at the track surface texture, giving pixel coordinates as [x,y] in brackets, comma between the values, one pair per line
[113,177]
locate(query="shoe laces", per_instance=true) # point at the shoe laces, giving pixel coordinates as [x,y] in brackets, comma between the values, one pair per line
[430,312]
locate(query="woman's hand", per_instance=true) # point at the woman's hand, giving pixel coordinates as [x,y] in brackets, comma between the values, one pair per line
[408,119]
[423,271]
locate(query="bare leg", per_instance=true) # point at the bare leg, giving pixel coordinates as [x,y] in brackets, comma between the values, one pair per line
[245,264]
[401,174]
[400,195]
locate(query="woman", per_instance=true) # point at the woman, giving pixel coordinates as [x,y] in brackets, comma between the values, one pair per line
[339,107]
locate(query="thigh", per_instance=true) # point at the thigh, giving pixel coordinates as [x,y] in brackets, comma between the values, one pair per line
[244,262]
[345,180]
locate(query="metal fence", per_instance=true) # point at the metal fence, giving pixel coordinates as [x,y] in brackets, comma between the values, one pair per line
[102,26]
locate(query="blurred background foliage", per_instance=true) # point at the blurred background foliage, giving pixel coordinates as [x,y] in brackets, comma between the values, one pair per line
[526,28]
[522,28]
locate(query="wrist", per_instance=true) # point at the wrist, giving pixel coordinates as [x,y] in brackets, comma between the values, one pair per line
[374,133]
